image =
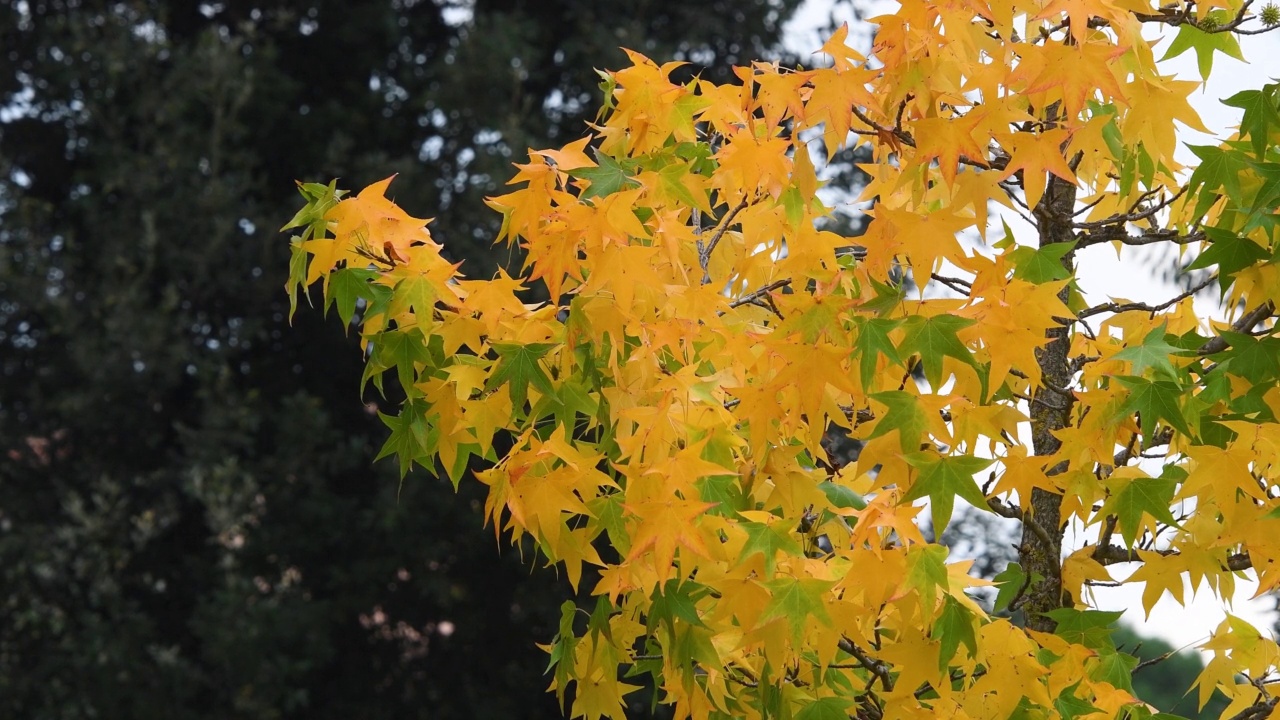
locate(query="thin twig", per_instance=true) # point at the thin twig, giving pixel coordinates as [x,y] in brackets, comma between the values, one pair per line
[1118,308]
[756,296]
[1117,233]
[878,668]
[961,286]
[705,250]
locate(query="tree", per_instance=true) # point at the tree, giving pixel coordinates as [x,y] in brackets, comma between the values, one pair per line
[189,524]
[657,427]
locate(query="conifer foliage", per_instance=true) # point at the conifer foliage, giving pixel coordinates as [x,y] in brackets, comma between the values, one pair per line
[656,428]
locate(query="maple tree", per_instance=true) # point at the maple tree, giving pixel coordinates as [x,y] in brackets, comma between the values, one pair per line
[657,426]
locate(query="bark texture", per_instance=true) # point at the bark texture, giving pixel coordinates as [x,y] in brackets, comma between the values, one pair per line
[1050,411]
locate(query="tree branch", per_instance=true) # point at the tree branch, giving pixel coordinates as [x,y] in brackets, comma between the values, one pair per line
[1016,513]
[961,286]
[1114,233]
[1244,324]
[878,668]
[1134,214]
[1153,309]
[1112,554]
[755,296]
[704,251]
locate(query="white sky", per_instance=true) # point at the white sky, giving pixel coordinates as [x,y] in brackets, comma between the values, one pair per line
[1132,275]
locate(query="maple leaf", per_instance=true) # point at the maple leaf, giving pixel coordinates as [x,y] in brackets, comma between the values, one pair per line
[676,413]
[842,54]
[948,140]
[1152,352]
[942,479]
[1205,44]
[1155,400]
[1133,499]
[1034,155]
[768,540]
[796,601]
[933,339]
[664,526]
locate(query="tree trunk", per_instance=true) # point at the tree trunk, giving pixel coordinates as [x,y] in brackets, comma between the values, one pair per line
[1050,411]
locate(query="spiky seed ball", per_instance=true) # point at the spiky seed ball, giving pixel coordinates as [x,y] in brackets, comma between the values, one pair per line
[1208,23]
[1271,15]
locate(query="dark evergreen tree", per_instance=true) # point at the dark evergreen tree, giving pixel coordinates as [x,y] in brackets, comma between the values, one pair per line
[189,526]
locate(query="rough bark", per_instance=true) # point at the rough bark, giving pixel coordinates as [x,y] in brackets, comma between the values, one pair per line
[1050,411]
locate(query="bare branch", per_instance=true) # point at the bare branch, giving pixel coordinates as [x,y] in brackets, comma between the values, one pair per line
[1078,362]
[1112,554]
[1243,325]
[1153,309]
[756,296]
[1162,437]
[1117,233]
[1134,214]
[961,286]
[878,668]
[704,251]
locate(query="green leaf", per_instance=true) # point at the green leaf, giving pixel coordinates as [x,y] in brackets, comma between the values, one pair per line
[1152,352]
[723,490]
[793,204]
[1070,707]
[1132,498]
[905,415]
[1041,265]
[606,179]
[412,439]
[888,297]
[670,177]
[871,342]
[828,708]
[675,601]
[1254,359]
[1115,668]
[399,349]
[610,515]
[517,367]
[1154,401]
[1259,114]
[562,650]
[954,626]
[1230,252]
[933,339]
[297,273]
[941,479]
[841,496]
[1011,581]
[348,285]
[796,600]
[320,199]
[769,540]
[414,291]
[566,402]
[927,571]
[1091,628]
[1219,169]
[1205,44]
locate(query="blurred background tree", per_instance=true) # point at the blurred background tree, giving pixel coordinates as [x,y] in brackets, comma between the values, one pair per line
[189,524]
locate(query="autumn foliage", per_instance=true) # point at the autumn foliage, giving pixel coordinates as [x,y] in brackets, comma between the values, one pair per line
[656,429]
